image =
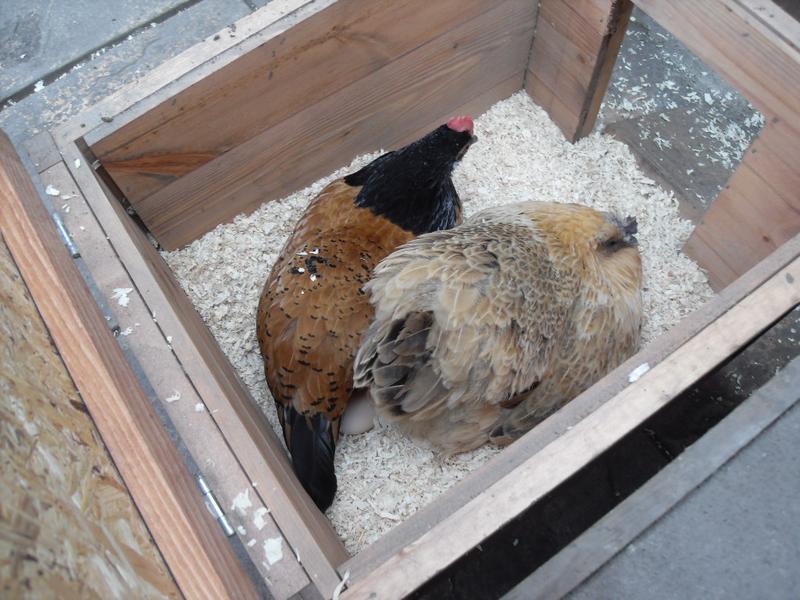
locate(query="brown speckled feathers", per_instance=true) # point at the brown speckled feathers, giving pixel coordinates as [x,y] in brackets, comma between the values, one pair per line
[313,309]
[483,330]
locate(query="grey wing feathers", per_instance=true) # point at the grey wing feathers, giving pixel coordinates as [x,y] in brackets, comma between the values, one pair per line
[451,332]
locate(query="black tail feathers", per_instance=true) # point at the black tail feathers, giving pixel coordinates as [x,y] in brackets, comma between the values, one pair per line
[312,445]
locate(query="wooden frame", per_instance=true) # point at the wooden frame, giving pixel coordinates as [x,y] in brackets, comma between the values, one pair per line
[381,75]
[590,551]
[192,544]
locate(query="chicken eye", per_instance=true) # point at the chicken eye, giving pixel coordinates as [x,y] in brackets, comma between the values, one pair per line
[612,244]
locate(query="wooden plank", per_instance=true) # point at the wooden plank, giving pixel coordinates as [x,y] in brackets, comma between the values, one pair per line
[561,66]
[769,17]
[320,55]
[567,120]
[594,12]
[566,418]
[606,59]
[42,151]
[418,88]
[754,61]
[605,539]
[541,473]
[573,54]
[146,343]
[245,428]
[190,66]
[192,544]
[762,61]
[758,210]
[64,503]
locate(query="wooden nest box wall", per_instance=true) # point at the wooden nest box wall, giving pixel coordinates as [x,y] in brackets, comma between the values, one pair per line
[286,96]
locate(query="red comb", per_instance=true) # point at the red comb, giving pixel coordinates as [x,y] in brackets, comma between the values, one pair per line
[463,123]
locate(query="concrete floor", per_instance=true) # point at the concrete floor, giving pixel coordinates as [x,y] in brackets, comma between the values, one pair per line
[686,126]
[744,546]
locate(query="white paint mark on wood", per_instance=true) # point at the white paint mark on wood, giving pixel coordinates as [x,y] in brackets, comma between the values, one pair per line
[273,550]
[638,372]
[242,502]
[121,295]
[258,518]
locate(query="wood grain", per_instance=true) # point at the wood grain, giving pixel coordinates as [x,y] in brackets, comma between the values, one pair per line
[42,151]
[499,503]
[756,212]
[187,68]
[146,343]
[64,505]
[611,534]
[192,544]
[377,111]
[294,70]
[773,20]
[573,54]
[245,428]
[760,207]
[752,60]
[565,419]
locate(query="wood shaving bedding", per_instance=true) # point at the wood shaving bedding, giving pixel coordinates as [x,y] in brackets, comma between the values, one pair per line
[521,155]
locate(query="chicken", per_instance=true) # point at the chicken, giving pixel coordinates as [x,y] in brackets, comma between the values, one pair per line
[482,331]
[313,309]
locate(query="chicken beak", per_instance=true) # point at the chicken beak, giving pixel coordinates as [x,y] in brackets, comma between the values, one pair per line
[463,151]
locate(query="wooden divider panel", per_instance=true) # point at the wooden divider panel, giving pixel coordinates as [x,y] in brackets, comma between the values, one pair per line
[193,546]
[306,79]
[380,110]
[573,54]
[760,206]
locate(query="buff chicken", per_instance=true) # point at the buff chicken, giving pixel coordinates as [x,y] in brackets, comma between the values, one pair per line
[482,331]
[313,309]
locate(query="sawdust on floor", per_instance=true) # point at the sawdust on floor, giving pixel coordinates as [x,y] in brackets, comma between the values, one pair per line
[521,155]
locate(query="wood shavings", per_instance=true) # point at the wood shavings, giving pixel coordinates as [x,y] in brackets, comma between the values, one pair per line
[521,155]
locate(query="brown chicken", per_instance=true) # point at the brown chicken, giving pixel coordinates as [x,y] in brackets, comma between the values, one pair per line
[482,331]
[313,309]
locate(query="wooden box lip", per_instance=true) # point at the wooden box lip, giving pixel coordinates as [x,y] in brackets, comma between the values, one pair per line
[393,556]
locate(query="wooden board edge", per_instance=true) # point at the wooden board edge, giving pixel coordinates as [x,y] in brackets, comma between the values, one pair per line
[578,122]
[210,54]
[319,136]
[191,542]
[751,58]
[539,474]
[170,390]
[584,556]
[256,445]
[566,418]
[618,19]
[771,208]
